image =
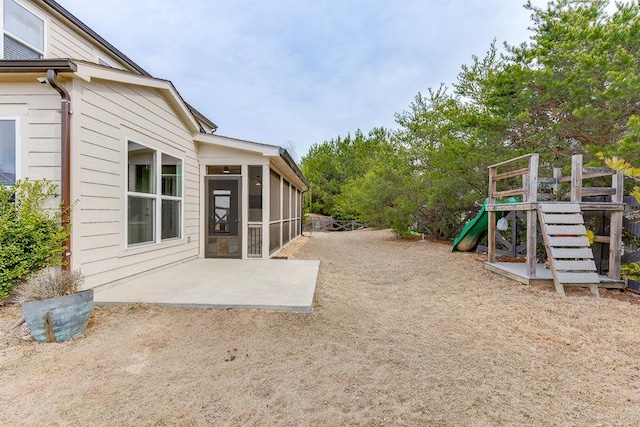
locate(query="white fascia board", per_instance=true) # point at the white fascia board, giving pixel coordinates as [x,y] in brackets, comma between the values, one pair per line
[238,144]
[285,170]
[271,151]
[88,71]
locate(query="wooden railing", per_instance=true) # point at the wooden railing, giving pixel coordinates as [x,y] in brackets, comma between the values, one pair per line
[529,190]
[580,174]
[528,187]
[330,224]
[254,241]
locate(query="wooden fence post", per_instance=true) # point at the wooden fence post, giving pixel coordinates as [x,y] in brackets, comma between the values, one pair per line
[576,178]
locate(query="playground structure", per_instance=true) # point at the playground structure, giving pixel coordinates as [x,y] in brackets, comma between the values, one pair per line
[476,229]
[569,254]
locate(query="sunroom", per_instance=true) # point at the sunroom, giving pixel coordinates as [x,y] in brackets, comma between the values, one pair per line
[250,200]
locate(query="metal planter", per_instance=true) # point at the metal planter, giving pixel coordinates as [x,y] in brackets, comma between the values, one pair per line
[58,319]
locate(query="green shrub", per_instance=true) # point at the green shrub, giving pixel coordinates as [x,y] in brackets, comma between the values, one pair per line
[31,236]
[632,271]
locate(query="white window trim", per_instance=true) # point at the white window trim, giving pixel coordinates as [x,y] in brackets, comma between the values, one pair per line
[158,197]
[18,152]
[38,15]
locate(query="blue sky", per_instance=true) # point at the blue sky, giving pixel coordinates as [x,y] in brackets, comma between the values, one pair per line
[299,72]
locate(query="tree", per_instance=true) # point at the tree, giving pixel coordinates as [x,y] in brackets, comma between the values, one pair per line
[385,195]
[452,137]
[575,86]
[332,164]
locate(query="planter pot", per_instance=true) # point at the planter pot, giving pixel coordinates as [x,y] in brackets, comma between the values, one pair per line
[58,319]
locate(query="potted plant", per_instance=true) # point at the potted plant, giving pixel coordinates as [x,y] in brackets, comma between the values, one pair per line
[53,307]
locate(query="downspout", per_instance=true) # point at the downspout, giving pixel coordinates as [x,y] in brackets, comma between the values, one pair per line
[65,169]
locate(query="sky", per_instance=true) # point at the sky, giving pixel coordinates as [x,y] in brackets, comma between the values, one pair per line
[295,73]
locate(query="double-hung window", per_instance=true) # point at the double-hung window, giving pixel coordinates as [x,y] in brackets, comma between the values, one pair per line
[23,32]
[8,144]
[154,195]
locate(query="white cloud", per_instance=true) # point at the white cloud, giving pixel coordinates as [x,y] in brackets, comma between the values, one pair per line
[302,70]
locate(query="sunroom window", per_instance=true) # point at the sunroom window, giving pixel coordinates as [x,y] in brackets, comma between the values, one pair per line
[7,152]
[23,32]
[154,195]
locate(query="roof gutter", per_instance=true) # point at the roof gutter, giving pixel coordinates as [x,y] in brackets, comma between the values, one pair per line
[65,170]
[292,164]
[36,65]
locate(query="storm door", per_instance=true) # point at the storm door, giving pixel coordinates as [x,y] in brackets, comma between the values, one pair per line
[224,224]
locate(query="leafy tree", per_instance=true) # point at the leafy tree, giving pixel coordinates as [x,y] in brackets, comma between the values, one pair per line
[322,171]
[575,86]
[31,237]
[452,138]
[331,165]
[384,195]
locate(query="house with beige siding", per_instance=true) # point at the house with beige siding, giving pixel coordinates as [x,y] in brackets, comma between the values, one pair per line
[148,180]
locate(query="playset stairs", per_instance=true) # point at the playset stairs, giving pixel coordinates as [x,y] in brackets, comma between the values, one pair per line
[568,250]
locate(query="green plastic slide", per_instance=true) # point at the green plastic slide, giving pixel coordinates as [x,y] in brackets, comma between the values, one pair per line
[476,228]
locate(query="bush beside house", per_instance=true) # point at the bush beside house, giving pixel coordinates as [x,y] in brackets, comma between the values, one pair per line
[31,236]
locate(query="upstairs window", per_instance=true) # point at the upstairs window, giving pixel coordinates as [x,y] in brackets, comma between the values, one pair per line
[7,152]
[23,32]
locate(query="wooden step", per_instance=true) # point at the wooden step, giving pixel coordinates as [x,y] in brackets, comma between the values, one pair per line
[565,238]
[560,208]
[575,265]
[568,241]
[550,218]
[566,230]
[572,253]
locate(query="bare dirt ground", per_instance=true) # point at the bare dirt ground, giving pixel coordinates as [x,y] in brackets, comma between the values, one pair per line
[403,333]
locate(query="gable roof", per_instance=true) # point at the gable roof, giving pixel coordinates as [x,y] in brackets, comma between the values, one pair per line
[95,36]
[194,117]
[201,118]
[89,70]
[267,150]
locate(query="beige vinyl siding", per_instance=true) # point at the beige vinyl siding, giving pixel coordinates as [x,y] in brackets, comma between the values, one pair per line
[110,113]
[65,41]
[192,204]
[39,143]
[216,155]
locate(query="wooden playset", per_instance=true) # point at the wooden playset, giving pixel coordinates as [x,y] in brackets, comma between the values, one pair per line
[570,259]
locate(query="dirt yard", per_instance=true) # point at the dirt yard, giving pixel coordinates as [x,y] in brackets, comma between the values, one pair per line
[403,333]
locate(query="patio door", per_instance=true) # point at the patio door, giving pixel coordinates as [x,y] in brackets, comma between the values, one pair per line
[224,224]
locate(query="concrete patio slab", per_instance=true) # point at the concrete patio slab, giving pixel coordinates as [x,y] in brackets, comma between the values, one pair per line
[282,285]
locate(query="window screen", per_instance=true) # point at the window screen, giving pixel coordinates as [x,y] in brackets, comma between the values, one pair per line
[274,199]
[286,200]
[24,32]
